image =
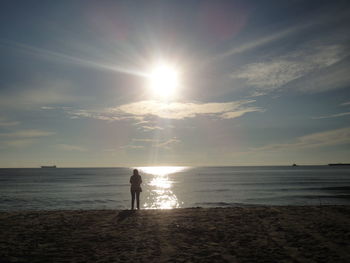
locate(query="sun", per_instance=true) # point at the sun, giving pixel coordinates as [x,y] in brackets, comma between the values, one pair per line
[164,80]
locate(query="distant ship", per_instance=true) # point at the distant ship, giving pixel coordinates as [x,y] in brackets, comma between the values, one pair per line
[294,164]
[338,164]
[48,166]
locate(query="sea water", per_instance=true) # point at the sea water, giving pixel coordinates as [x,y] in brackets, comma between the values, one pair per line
[173,187]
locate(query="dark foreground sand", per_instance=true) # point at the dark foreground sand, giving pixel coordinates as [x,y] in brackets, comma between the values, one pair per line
[250,234]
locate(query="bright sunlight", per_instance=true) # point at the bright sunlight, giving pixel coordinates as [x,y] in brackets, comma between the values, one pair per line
[164,81]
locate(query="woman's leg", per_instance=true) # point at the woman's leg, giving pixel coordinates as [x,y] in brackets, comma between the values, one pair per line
[138,199]
[133,193]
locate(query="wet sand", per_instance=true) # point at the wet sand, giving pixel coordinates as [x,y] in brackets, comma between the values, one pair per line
[240,234]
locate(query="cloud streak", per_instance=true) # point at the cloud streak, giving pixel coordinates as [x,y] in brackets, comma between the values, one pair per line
[37,92]
[166,144]
[179,111]
[273,74]
[264,40]
[70,147]
[19,143]
[23,138]
[174,110]
[314,140]
[5,123]
[332,116]
[27,134]
[150,128]
[345,103]
[317,20]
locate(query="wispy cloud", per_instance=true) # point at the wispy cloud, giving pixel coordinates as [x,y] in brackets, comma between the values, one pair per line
[150,128]
[173,110]
[275,73]
[264,40]
[47,108]
[27,134]
[110,150]
[70,147]
[37,92]
[104,115]
[345,103]
[145,140]
[166,144]
[332,116]
[139,143]
[130,146]
[178,110]
[23,138]
[7,123]
[317,20]
[19,143]
[314,140]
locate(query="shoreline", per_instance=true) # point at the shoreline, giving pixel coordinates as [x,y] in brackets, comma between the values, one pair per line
[172,209]
[234,234]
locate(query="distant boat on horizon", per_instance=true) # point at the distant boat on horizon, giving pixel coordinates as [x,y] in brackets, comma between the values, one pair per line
[338,164]
[48,166]
[294,164]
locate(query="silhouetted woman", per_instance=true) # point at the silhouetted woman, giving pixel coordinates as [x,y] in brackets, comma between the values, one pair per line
[135,189]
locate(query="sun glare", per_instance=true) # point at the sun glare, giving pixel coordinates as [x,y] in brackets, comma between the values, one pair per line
[159,187]
[161,170]
[164,81]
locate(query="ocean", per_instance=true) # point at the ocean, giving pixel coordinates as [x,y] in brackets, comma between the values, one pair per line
[173,187]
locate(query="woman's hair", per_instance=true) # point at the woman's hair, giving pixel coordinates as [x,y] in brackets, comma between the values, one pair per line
[136,172]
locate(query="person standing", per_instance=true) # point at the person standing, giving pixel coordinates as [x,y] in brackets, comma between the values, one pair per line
[135,189]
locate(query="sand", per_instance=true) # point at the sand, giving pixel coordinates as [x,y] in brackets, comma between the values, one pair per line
[240,234]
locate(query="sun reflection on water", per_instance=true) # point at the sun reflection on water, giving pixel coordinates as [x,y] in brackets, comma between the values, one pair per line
[159,194]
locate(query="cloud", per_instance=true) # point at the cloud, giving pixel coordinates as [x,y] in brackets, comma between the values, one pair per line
[141,143]
[142,122]
[39,91]
[332,116]
[27,134]
[319,20]
[264,40]
[275,73]
[23,138]
[151,128]
[105,115]
[20,142]
[314,140]
[70,147]
[132,147]
[144,140]
[173,110]
[330,78]
[110,150]
[5,123]
[345,103]
[168,143]
[178,110]
[47,108]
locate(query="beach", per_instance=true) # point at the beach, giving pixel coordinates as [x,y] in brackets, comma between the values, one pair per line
[237,234]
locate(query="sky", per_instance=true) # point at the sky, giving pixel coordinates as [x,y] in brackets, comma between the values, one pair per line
[257,83]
